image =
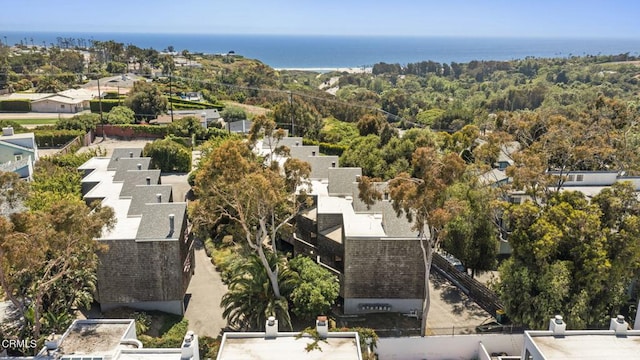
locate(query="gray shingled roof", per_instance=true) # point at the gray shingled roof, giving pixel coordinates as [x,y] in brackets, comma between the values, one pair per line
[124,164]
[123,153]
[341,180]
[302,152]
[320,165]
[147,194]
[287,141]
[155,221]
[131,178]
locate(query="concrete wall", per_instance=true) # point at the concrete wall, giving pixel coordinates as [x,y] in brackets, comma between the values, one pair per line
[462,347]
[381,268]
[171,307]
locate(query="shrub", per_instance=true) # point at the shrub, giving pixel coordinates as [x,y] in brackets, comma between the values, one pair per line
[107,105]
[168,156]
[17,105]
[171,338]
[120,115]
[55,138]
[83,122]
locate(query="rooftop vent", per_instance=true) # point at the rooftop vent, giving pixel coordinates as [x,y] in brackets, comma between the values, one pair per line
[322,327]
[313,153]
[130,154]
[333,164]
[619,325]
[557,325]
[297,143]
[139,166]
[148,180]
[159,198]
[187,346]
[7,131]
[172,222]
[271,328]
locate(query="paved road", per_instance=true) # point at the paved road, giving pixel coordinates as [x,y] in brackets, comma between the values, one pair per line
[451,308]
[206,290]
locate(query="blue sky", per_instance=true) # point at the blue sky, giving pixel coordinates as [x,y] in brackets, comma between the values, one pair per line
[503,18]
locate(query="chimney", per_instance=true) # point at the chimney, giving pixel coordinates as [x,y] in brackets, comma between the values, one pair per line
[619,325]
[189,348]
[271,328]
[130,154]
[322,327]
[313,153]
[148,180]
[139,166]
[557,325]
[172,222]
[159,197]
[333,164]
[7,131]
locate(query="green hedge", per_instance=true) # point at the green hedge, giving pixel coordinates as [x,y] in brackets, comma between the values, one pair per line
[107,105]
[189,107]
[176,100]
[16,105]
[326,148]
[55,138]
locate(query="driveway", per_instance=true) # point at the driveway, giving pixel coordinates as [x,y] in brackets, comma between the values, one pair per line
[206,290]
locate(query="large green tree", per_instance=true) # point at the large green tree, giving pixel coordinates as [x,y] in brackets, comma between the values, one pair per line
[146,100]
[233,184]
[423,199]
[316,290]
[472,235]
[571,257]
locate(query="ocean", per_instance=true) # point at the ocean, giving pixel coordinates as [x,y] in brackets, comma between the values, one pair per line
[330,52]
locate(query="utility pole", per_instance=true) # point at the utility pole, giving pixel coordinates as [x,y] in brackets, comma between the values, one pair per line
[293,130]
[170,91]
[100,108]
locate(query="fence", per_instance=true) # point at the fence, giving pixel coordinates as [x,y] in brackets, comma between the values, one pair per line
[483,296]
[78,141]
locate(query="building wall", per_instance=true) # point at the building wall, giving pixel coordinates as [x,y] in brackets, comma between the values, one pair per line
[133,272]
[327,221]
[447,347]
[363,305]
[8,154]
[381,268]
[171,307]
[55,107]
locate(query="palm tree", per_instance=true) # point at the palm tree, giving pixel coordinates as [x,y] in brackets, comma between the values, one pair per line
[250,300]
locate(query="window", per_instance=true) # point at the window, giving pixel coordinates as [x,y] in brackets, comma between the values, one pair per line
[570,178]
[580,177]
[18,157]
[61,106]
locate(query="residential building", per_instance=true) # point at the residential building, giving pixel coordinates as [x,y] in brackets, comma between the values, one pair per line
[374,252]
[18,152]
[273,344]
[57,104]
[108,339]
[150,256]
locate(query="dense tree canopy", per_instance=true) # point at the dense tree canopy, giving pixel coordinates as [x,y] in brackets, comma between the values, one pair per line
[571,257]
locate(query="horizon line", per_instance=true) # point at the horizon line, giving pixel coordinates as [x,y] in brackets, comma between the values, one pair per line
[540,37]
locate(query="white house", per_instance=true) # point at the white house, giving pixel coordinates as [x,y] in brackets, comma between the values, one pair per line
[18,152]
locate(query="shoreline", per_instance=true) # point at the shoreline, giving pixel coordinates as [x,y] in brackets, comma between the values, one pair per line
[322,70]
